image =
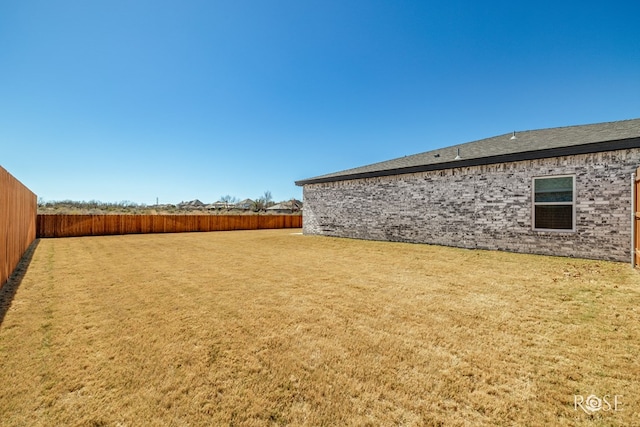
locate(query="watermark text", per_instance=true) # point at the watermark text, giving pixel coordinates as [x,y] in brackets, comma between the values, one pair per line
[592,403]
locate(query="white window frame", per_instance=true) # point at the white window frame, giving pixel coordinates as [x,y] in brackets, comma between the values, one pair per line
[572,203]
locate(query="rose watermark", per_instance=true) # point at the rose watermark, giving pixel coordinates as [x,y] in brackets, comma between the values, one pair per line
[592,403]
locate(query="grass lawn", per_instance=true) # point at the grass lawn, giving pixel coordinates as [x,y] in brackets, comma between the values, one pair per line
[260,328]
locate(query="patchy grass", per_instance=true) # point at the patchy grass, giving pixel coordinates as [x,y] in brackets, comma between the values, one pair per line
[262,328]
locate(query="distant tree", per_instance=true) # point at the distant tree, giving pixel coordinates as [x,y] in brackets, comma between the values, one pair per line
[263,202]
[228,200]
[93,206]
[258,204]
[267,198]
[294,205]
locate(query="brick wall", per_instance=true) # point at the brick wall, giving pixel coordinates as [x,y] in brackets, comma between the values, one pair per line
[484,207]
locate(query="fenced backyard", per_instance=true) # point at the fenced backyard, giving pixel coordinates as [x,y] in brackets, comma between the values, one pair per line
[18,206]
[271,328]
[101,225]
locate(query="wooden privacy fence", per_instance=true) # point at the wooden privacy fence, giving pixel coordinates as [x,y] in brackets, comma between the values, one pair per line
[18,208]
[101,225]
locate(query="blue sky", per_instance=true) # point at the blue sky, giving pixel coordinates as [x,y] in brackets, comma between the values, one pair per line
[136,100]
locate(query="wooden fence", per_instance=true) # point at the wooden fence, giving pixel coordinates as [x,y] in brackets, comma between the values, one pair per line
[101,225]
[18,208]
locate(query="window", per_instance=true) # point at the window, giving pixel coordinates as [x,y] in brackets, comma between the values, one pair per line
[554,203]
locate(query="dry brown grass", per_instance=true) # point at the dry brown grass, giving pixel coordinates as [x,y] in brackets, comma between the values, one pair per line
[263,328]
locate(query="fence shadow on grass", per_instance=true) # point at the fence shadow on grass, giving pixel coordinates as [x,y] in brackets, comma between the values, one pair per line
[8,291]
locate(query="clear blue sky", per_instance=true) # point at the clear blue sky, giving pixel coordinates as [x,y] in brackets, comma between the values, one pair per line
[133,99]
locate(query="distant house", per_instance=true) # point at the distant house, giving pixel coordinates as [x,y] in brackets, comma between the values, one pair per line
[218,205]
[288,207]
[193,204]
[245,204]
[560,191]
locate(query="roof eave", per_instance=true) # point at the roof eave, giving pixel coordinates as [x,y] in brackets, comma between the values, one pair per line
[596,147]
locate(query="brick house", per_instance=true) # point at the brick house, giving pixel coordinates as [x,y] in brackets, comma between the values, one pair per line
[560,191]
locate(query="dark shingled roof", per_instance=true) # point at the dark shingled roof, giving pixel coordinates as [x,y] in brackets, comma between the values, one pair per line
[527,145]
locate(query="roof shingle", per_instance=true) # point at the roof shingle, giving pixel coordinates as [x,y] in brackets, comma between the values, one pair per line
[527,144]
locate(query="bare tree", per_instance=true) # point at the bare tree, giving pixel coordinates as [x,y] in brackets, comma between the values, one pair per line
[267,198]
[294,205]
[225,198]
[263,202]
[257,205]
[228,200]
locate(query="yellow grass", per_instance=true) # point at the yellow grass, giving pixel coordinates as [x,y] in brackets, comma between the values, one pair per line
[261,328]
